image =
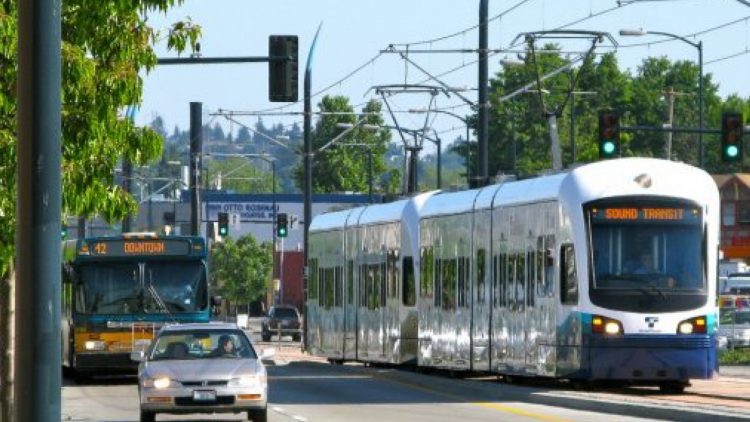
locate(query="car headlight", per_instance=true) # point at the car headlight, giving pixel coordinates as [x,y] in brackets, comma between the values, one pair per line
[96,345]
[245,381]
[158,383]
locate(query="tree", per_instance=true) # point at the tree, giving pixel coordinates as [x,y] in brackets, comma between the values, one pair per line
[241,271]
[341,168]
[105,46]
[241,174]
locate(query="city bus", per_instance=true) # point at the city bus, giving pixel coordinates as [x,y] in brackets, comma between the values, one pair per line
[119,290]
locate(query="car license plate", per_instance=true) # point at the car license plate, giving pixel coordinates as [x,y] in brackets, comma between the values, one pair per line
[204,395]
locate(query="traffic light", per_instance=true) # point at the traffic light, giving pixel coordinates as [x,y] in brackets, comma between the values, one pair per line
[281,225]
[64,231]
[283,75]
[223,224]
[731,137]
[609,134]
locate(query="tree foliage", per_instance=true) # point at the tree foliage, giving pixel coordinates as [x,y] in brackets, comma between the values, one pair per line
[341,167]
[105,46]
[241,270]
[519,136]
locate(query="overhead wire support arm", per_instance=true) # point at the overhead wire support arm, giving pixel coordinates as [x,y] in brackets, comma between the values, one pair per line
[216,60]
[434,78]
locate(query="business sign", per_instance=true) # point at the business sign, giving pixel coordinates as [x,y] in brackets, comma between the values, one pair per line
[245,211]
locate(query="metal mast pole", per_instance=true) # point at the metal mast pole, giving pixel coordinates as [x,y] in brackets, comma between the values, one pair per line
[196,149]
[483,127]
[38,284]
[700,104]
[307,169]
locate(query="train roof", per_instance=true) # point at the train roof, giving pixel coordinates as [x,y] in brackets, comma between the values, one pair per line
[332,220]
[640,176]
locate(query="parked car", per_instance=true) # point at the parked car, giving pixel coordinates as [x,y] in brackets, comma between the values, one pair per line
[202,368]
[282,320]
[734,325]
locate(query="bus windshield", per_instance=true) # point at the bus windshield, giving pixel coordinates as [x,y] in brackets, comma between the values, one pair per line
[643,253]
[175,286]
[117,288]
[108,288]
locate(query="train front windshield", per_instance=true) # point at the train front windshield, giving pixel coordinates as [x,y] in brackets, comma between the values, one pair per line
[646,257]
[137,288]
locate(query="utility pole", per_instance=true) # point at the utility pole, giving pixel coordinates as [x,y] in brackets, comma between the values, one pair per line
[38,379]
[669,95]
[196,150]
[483,124]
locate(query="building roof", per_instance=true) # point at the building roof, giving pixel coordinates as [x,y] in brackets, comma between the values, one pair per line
[723,179]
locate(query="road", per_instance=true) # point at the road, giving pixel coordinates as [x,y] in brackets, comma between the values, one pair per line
[304,391]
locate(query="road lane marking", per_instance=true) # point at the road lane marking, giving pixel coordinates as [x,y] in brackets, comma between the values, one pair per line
[281,411]
[492,405]
[520,412]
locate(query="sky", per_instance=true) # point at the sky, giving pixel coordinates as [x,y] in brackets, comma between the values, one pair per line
[354,34]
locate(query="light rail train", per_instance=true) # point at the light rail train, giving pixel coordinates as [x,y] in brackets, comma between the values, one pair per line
[605,272]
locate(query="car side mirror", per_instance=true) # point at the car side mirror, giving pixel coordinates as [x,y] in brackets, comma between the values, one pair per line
[137,356]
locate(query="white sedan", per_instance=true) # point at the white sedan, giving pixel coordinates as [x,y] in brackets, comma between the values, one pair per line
[202,368]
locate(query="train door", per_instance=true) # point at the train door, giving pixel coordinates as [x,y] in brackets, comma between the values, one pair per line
[392,332]
[350,312]
[501,281]
[517,267]
[480,294]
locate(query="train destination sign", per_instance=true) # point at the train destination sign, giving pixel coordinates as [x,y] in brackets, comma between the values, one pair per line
[131,247]
[645,213]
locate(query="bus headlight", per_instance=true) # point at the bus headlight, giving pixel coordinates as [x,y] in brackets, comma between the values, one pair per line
[604,325]
[95,345]
[695,325]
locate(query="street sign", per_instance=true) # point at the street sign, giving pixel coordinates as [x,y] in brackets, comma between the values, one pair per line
[235,220]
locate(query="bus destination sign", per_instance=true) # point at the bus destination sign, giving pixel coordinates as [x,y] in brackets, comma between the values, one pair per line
[143,247]
[646,213]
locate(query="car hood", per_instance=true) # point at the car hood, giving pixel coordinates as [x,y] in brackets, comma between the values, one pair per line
[201,369]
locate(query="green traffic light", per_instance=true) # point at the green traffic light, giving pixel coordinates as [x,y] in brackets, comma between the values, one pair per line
[608,147]
[282,232]
[732,151]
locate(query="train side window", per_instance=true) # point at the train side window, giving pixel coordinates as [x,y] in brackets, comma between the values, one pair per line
[521,281]
[438,281]
[349,282]
[313,290]
[408,286]
[383,284]
[426,272]
[480,271]
[339,295]
[568,277]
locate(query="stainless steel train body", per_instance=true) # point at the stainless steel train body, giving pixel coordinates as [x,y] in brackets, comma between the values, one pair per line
[604,272]
[362,289]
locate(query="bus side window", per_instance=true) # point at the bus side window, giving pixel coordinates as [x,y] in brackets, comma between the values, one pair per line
[568,278]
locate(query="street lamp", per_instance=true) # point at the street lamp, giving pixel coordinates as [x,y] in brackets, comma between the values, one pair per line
[699,46]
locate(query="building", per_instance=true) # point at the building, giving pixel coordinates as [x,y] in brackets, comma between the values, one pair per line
[734,190]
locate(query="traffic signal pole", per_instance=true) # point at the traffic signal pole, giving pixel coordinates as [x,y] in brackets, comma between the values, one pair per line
[38,379]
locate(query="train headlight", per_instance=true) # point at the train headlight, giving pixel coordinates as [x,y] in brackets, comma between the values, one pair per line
[604,325]
[612,327]
[695,325]
[95,345]
[686,328]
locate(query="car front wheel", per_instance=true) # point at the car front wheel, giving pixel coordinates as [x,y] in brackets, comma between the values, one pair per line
[258,415]
[148,416]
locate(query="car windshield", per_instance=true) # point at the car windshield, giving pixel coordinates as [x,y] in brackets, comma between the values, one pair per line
[284,313]
[202,344]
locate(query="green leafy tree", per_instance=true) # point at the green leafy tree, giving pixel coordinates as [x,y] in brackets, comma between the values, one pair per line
[241,270]
[343,167]
[104,47]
